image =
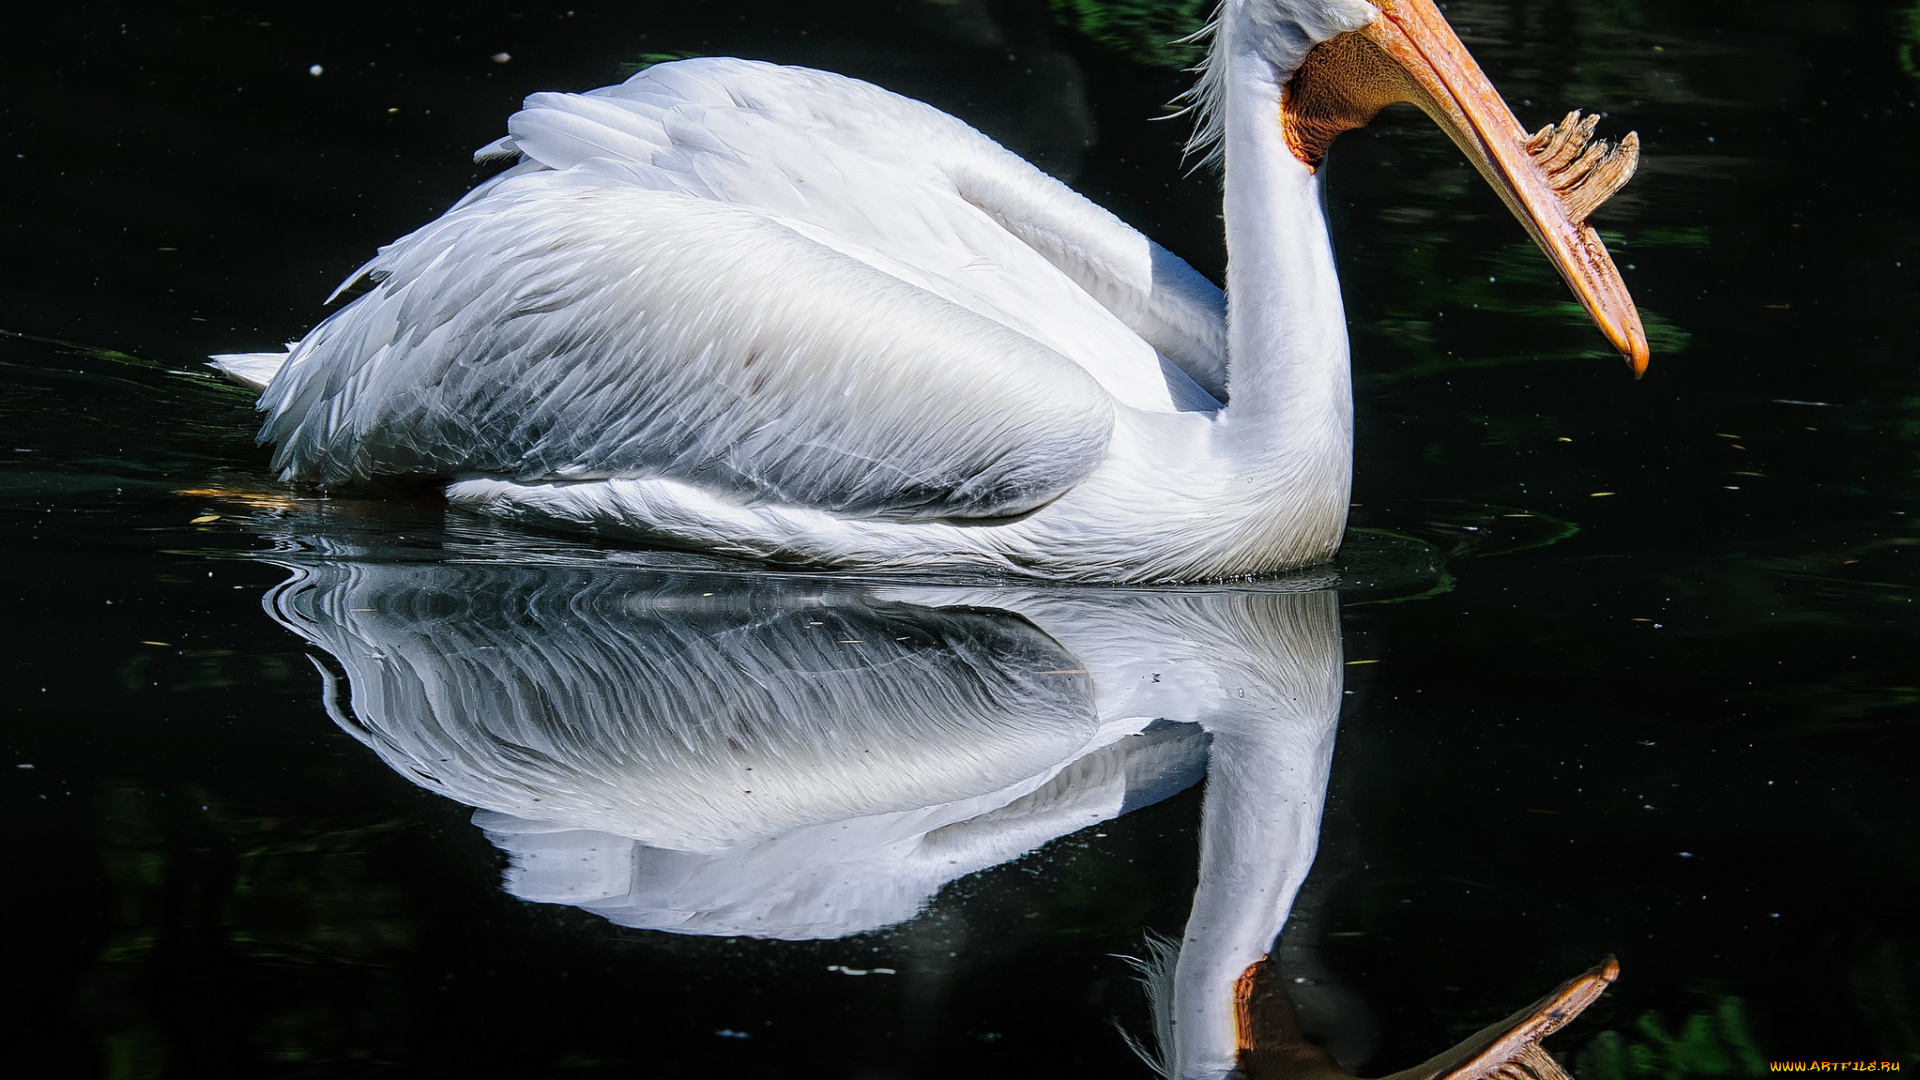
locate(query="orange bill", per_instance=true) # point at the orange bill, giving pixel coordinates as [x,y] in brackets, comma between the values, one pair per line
[1551,180]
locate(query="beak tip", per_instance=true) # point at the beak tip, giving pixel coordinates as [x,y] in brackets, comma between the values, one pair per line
[1637,357]
[1627,335]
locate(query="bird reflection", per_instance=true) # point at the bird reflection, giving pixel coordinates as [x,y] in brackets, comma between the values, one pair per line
[778,757]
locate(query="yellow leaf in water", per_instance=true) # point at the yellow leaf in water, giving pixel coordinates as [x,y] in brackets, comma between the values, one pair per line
[204,519]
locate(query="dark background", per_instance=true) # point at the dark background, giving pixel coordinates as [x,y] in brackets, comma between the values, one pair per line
[1717,658]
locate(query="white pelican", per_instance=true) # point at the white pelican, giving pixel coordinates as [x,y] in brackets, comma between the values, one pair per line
[782,314]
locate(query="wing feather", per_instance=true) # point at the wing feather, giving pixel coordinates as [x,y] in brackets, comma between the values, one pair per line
[906,187]
[568,327]
[587,128]
[778,284]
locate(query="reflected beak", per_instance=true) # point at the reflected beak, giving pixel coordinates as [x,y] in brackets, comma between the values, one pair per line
[1551,180]
[1273,1048]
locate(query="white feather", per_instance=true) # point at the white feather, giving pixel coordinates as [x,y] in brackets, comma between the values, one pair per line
[251,370]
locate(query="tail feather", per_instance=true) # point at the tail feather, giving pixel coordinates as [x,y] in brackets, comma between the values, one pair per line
[254,370]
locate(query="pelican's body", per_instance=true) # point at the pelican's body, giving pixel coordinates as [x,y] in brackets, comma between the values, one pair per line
[779,313]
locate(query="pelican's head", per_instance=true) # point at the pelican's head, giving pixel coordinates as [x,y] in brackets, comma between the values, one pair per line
[1342,61]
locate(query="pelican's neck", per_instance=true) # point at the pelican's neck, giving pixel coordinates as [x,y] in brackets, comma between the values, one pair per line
[1290,416]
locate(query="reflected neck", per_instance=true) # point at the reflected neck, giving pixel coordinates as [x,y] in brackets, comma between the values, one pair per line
[1267,772]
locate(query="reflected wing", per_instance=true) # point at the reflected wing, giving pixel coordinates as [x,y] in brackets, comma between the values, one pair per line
[646,706]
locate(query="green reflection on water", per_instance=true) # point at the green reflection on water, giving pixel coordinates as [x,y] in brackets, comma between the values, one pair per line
[1150,32]
[1510,282]
[1717,1042]
[200,379]
[1910,31]
[1882,982]
[268,921]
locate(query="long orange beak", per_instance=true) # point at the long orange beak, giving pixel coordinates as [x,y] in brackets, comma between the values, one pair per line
[1551,180]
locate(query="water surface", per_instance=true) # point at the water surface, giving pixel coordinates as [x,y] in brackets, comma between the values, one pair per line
[1624,667]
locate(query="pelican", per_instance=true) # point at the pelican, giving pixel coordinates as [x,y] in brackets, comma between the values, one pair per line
[782,314]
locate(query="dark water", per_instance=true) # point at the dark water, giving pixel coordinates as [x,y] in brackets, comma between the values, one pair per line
[1674,722]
